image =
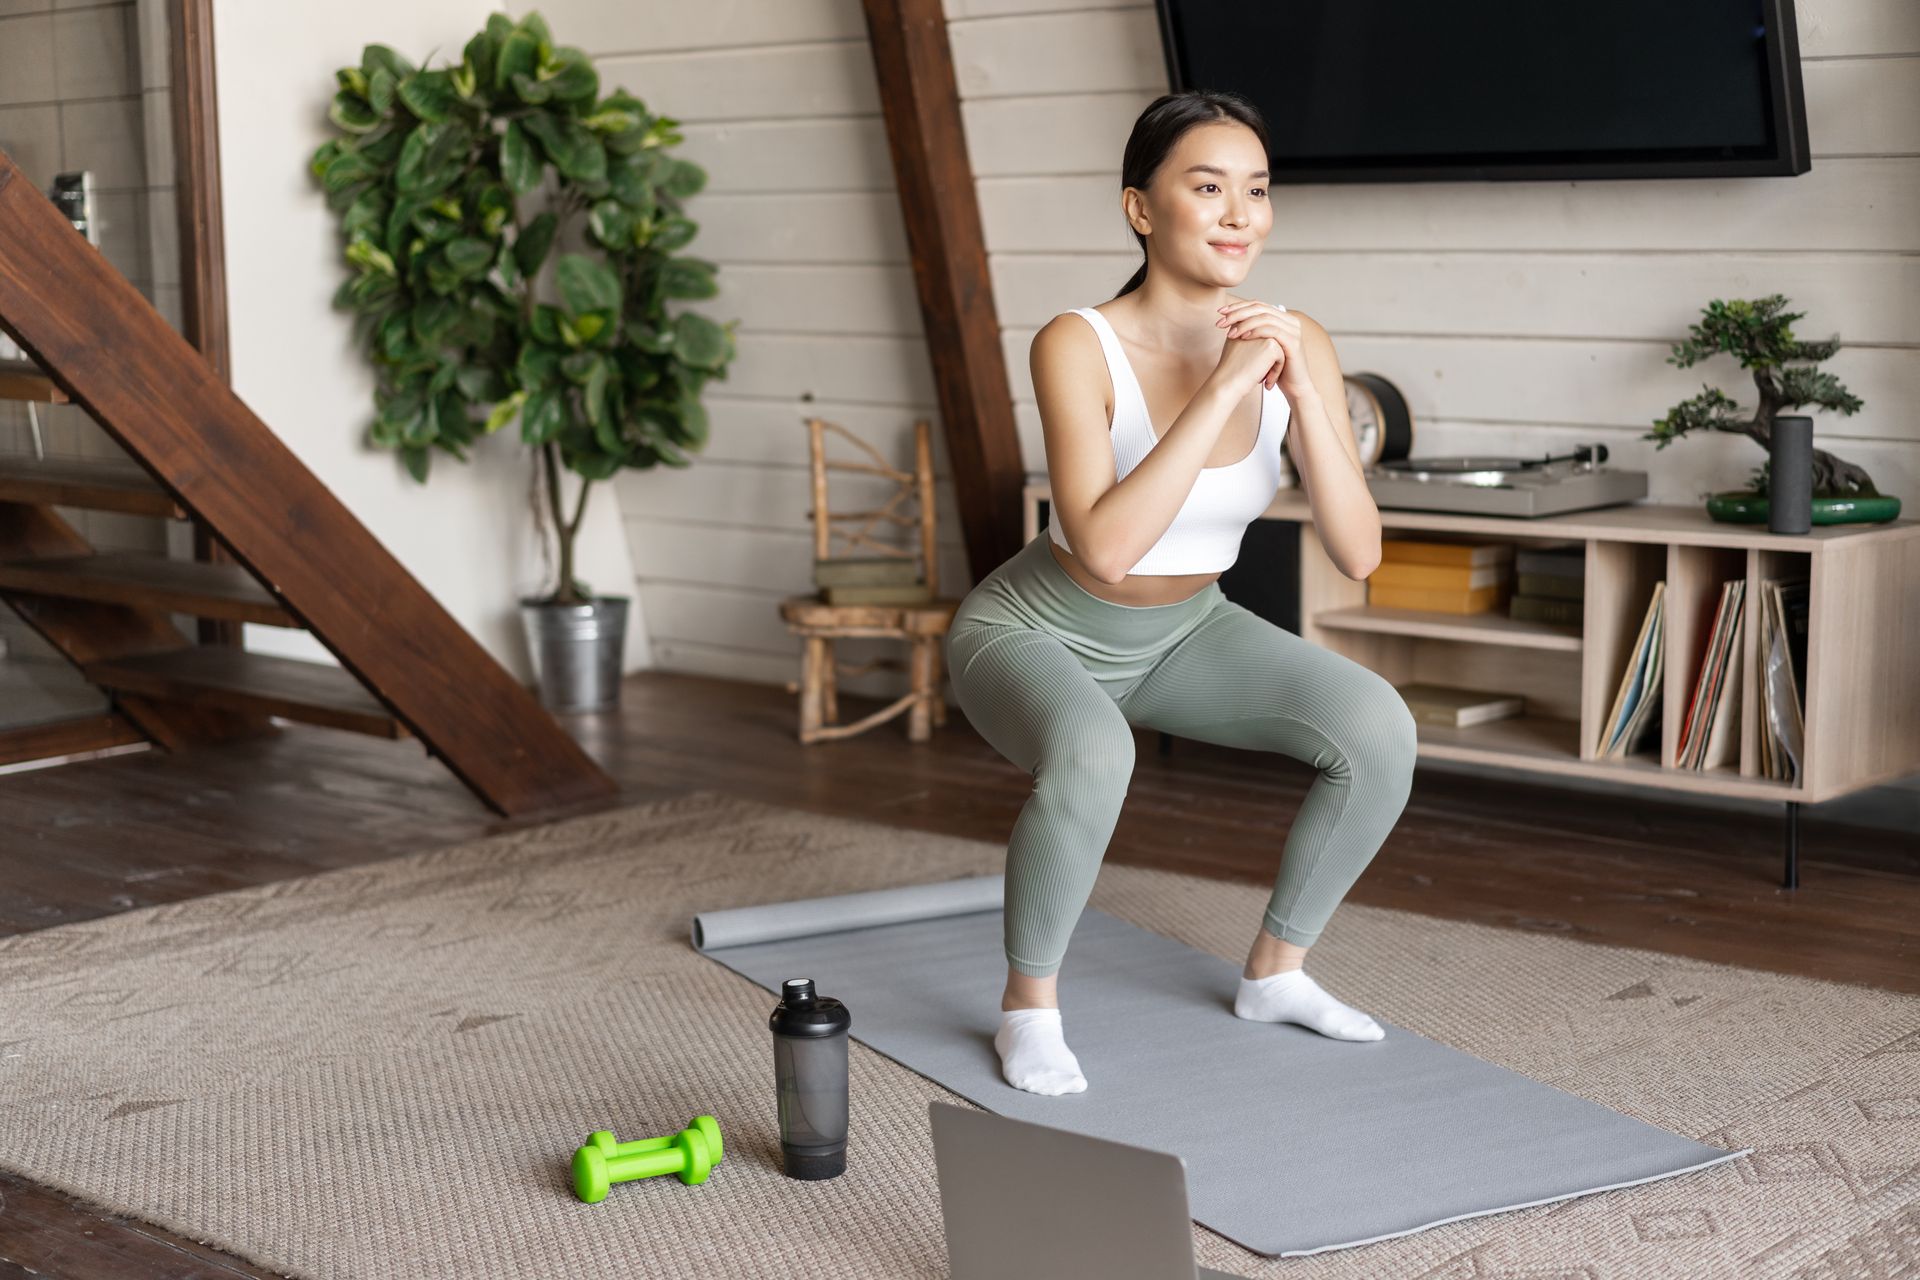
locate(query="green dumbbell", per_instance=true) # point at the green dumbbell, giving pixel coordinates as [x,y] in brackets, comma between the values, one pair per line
[689,1155]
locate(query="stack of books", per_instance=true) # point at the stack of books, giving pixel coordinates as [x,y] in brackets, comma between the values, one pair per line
[1783,677]
[1550,584]
[1710,737]
[871,580]
[1638,696]
[1455,707]
[1447,577]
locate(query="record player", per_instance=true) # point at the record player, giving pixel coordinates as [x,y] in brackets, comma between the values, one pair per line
[1494,486]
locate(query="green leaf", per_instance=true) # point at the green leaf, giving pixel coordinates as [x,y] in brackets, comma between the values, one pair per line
[378,56]
[699,342]
[433,319]
[577,365]
[536,26]
[495,206]
[591,325]
[542,416]
[684,178]
[688,278]
[530,250]
[519,55]
[573,148]
[536,366]
[529,89]
[598,380]
[366,218]
[587,285]
[380,87]
[571,77]
[352,80]
[417,461]
[611,223]
[503,412]
[482,384]
[395,340]
[369,256]
[670,233]
[627,180]
[480,54]
[429,95]
[352,112]
[323,156]
[546,324]
[499,27]
[347,168]
[612,121]
[469,255]
[413,173]
[518,163]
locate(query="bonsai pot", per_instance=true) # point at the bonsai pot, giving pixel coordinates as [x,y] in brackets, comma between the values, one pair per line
[576,651]
[1739,506]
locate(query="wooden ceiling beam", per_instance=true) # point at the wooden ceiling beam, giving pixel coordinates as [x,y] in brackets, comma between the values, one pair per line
[921,102]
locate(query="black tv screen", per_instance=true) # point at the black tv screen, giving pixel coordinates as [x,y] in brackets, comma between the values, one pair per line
[1396,91]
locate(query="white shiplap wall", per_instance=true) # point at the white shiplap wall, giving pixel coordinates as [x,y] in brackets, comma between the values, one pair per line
[1517,317]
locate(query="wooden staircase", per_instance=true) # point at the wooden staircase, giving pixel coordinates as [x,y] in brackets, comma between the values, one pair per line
[300,558]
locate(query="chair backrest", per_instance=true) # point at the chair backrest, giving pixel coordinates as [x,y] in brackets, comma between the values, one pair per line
[916,485]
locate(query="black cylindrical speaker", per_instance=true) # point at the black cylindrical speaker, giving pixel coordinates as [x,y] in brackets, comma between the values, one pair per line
[1790,476]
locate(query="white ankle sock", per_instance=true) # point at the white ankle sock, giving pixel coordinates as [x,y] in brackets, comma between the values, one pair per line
[1292,996]
[1034,1054]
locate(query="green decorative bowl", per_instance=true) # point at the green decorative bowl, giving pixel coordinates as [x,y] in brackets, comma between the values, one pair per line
[1742,506]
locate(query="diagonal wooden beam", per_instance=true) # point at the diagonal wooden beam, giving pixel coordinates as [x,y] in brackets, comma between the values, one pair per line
[108,349]
[921,102]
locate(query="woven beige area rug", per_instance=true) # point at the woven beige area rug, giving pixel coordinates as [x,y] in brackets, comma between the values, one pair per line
[383,1071]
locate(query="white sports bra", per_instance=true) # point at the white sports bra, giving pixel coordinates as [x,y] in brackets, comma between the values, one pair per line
[1206,532]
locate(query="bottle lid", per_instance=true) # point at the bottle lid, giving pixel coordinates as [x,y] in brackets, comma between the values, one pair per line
[801,1012]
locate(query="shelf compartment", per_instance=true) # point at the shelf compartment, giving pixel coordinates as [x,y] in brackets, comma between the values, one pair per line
[1620,580]
[1764,565]
[1695,577]
[1472,628]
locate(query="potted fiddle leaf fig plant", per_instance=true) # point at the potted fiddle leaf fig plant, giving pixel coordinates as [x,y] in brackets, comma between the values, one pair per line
[515,240]
[1759,334]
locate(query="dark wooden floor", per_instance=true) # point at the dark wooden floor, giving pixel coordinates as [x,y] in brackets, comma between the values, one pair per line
[87,840]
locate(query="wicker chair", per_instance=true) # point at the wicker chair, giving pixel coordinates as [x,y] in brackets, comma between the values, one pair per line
[921,623]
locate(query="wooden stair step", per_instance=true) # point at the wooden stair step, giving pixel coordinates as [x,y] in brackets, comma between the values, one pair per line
[150,582]
[25,380]
[52,739]
[236,680]
[102,485]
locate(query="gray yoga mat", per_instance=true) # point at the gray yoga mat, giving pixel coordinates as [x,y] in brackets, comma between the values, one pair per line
[1295,1143]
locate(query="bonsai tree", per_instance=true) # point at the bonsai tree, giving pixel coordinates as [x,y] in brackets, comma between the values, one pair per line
[1760,336]
[433,175]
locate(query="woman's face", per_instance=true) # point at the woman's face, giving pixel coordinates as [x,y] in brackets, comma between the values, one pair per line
[1210,193]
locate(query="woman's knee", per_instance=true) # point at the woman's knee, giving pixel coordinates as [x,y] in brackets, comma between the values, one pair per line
[1095,763]
[1369,732]
[1384,730]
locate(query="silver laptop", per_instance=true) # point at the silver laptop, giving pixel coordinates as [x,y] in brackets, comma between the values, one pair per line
[1030,1202]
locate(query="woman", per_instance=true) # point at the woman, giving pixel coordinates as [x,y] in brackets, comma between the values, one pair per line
[1163,413]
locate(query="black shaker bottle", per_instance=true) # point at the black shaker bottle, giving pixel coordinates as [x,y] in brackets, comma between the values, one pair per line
[810,1072]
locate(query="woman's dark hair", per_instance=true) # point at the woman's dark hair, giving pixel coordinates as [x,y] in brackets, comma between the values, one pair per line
[1166,119]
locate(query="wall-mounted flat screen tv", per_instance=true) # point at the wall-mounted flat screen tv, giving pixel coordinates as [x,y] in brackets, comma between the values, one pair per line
[1409,90]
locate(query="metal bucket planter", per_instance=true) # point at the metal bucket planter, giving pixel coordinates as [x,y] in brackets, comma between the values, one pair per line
[576,651]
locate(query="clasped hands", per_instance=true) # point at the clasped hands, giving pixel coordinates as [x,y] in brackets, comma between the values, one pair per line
[1247,318]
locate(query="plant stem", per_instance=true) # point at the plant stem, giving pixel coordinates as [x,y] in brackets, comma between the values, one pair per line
[563,532]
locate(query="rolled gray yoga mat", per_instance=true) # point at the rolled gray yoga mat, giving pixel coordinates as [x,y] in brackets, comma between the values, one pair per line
[1295,1143]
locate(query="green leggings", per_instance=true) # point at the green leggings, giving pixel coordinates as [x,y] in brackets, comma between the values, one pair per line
[1053,677]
